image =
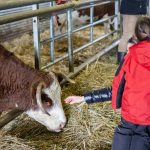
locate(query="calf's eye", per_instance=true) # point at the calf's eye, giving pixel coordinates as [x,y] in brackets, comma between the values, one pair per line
[46,100]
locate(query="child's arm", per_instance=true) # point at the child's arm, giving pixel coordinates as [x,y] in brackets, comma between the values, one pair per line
[101,95]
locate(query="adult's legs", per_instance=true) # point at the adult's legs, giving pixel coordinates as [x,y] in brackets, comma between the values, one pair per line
[129,22]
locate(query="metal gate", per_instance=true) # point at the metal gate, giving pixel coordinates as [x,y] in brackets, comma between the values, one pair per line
[37,12]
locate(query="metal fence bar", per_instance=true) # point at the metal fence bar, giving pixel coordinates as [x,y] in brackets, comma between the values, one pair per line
[19,3]
[70,48]
[22,3]
[95,23]
[78,49]
[81,28]
[116,19]
[91,20]
[36,39]
[29,14]
[51,22]
[94,58]
[121,20]
[148,7]
[80,5]
[94,41]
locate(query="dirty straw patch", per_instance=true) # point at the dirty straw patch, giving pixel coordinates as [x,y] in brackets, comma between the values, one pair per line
[13,143]
[89,127]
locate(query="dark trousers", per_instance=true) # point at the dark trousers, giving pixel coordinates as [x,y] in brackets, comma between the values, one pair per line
[129,136]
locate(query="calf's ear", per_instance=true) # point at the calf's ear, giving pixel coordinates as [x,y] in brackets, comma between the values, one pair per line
[63,78]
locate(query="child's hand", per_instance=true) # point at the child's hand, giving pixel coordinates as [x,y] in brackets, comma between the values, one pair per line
[118,110]
[74,99]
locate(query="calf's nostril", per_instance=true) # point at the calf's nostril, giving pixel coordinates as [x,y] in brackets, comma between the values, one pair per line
[62,125]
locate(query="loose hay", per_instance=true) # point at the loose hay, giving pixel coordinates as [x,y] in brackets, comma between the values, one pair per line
[13,143]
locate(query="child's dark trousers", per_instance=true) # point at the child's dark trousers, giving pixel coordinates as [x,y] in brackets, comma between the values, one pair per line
[129,136]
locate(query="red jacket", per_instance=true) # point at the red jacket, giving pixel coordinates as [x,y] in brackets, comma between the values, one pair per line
[135,99]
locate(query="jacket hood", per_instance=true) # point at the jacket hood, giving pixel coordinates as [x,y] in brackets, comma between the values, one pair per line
[140,52]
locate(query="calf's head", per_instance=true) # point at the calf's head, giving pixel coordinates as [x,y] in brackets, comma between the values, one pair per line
[49,110]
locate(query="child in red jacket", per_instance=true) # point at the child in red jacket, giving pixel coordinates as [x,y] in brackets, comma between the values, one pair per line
[131,92]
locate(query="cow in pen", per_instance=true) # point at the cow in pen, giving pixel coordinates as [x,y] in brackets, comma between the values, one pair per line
[34,92]
[82,17]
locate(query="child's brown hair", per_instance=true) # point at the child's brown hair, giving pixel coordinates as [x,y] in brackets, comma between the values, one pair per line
[142,29]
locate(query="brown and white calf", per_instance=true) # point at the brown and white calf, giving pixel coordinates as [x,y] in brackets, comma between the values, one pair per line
[82,17]
[36,93]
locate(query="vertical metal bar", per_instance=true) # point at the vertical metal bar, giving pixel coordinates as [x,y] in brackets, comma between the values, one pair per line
[116,19]
[70,46]
[148,8]
[120,19]
[91,20]
[36,38]
[51,23]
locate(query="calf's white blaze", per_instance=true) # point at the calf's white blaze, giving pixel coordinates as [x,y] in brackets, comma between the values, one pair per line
[55,119]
